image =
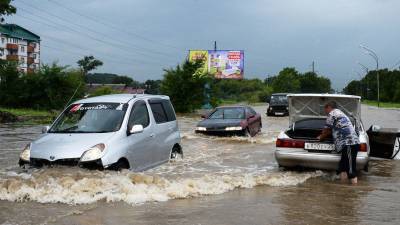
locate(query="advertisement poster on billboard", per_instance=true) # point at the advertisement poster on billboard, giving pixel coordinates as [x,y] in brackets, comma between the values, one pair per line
[223,64]
[199,55]
[226,64]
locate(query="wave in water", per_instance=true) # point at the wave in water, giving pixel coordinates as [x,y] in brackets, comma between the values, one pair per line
[133,188]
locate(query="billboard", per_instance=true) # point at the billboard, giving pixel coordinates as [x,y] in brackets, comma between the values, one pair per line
[223,64]
[199,55]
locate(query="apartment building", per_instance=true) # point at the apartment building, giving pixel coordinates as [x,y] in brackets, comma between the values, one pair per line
[20,45]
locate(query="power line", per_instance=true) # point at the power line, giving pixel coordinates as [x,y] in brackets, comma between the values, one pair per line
[99,21]
[70,43]
[80,54]
[121,47]
[129,45]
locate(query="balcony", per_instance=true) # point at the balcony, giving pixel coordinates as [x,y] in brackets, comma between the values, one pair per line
[30,49]
[30,70]
[12,47]
[12,57]
[30,60]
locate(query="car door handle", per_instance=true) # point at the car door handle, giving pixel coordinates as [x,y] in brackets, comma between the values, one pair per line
[151,135]
[170,128]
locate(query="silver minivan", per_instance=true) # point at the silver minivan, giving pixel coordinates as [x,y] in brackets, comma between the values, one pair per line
[121,131]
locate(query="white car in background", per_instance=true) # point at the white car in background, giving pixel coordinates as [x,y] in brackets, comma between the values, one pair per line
[298,146]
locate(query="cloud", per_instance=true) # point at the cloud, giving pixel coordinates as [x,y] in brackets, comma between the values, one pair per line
[273,34]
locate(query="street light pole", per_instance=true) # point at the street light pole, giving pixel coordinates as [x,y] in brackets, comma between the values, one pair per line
[371,53]
[395,65]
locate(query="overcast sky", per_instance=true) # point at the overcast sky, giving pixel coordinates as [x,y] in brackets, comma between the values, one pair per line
[139,38]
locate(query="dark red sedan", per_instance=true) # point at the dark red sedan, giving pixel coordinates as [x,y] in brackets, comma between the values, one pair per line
[235,120]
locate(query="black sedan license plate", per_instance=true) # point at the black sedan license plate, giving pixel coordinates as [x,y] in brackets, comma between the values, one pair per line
[319,146]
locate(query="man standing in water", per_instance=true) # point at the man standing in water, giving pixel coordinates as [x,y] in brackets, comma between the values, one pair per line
[345,138]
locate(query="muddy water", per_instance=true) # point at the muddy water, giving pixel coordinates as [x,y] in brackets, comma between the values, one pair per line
[231,180]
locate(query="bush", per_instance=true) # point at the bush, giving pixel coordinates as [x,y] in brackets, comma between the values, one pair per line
[105,90]
[367,86]
[185,86]
[50,88]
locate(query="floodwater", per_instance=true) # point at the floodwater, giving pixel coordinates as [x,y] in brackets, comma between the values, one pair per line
[221,180]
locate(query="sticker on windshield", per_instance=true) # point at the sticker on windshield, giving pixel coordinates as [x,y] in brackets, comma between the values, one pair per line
[97,106]
[75,107]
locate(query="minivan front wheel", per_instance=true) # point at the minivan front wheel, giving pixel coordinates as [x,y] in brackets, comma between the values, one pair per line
[120,165]
[176,152]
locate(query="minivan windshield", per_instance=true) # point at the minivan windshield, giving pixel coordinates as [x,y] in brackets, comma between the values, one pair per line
[279,100]
[90,118]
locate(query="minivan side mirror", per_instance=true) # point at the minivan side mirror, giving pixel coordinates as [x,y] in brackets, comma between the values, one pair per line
[45,129]
[136,129]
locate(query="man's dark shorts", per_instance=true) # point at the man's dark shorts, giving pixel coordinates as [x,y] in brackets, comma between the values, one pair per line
[348,161]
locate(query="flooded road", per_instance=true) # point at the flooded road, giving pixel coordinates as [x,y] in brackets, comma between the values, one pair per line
[221,180]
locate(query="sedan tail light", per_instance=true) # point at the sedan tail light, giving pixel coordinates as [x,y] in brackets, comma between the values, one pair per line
[363,147]
[289,143]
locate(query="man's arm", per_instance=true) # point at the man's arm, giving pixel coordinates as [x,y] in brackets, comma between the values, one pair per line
[326,132]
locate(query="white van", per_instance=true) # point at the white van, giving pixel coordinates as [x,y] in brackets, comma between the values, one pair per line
[113,131]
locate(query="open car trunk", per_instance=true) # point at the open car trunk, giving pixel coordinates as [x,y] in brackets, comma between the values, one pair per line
[307,116]
[306,106]
[308,129]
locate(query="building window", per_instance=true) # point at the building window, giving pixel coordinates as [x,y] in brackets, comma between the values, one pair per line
[34,56]
[22,49]
[2,40]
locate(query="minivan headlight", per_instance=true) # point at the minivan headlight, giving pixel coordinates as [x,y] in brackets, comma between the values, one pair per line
[93,153]
[26,153]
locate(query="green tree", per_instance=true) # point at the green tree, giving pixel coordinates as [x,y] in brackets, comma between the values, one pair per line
[49,88]
[122,80]
[185,86]
[104,91]
[152,86]
[10,83]
[312,83]
[287,81]
[245,90]
[6,8]
[89,63]
[353,88]
[367,87]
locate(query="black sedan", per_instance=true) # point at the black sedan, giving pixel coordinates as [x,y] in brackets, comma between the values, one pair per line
[232,120]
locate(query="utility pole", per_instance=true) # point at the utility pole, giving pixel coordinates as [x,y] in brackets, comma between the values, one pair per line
[215,45]
[313,66]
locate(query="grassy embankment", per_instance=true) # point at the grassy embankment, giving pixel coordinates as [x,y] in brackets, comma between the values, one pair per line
[382,104]
[31,116]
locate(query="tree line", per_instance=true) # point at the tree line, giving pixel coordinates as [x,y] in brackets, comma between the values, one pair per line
[366,87]
[189,89]
[52,86]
